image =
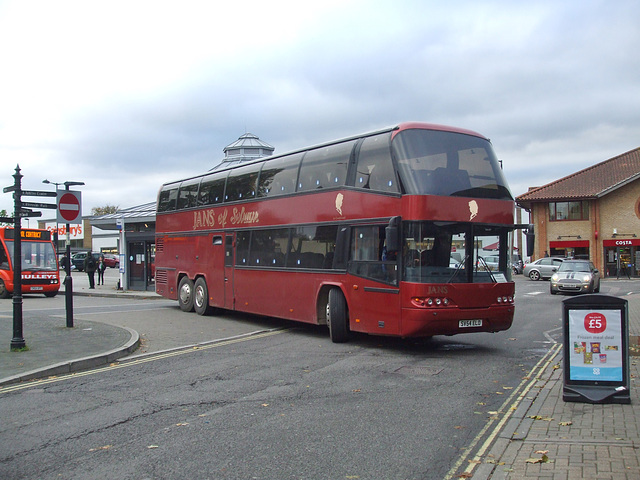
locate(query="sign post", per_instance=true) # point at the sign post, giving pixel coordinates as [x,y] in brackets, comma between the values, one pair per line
[17,342]
[69,211]
[596,349]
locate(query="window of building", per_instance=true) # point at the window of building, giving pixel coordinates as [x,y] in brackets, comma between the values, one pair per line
[561,211]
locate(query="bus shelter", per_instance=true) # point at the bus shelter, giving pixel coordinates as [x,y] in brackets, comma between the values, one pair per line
[136,246]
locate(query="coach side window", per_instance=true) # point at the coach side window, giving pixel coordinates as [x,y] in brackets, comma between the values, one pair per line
[212,189]
[369,258]
[242,248]
[242,183]
[278,176]
[167,198]
[325,167]
[188,194]
[375,169]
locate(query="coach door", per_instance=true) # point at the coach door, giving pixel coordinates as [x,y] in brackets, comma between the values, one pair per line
[229,260]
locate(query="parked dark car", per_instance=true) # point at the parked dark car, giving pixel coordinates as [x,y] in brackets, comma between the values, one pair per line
[575,276]
[77,260]
[542,268]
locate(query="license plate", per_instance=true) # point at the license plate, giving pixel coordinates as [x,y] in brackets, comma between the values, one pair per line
[36,289]
[469,323]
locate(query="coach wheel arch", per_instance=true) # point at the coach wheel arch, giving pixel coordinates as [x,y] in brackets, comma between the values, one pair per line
[201,297]
[322,301]
[185,294]
[337,316]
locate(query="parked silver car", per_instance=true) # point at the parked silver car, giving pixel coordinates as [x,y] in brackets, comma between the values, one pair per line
[542,268]
[491,262]
[575,276]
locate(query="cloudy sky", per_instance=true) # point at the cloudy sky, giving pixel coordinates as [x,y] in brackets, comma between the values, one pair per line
[127,95]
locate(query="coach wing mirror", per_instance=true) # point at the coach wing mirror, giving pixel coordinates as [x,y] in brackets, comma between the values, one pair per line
[531,240]
[392,234]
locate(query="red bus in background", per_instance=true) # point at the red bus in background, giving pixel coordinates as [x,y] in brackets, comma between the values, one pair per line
[39,262]
[379,233]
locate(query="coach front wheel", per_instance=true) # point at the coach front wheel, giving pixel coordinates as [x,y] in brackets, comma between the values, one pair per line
[337,316]
[201,297]
[185,294]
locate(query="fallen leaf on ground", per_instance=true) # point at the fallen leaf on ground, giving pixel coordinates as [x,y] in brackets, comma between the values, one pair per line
[539,417]
[543,459]
[105,447]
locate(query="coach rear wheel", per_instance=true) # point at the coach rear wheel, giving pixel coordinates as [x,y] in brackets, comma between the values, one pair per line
[4,293]
[337,316]
[201,297]
[185,294]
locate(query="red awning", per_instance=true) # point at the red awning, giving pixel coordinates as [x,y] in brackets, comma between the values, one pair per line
[569,244]
[496,246]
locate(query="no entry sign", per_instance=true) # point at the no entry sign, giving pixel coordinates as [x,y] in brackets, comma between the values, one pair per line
[69,207]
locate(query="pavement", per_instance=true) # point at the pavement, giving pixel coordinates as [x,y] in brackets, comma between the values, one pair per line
[535,434]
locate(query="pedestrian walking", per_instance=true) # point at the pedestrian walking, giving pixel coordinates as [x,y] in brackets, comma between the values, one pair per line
[90,268]
[101,268]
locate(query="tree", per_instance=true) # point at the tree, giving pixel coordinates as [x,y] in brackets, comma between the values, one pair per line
[3,213]
[95,211]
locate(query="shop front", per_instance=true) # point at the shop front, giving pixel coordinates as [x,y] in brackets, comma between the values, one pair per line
[569,248]
[622,257]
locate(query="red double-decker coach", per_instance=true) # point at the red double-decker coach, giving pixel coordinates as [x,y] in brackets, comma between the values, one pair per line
[379,233]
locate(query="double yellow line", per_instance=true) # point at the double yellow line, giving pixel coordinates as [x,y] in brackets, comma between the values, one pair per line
[504,414]
[140,360]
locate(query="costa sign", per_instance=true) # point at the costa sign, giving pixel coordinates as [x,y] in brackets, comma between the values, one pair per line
[621,243]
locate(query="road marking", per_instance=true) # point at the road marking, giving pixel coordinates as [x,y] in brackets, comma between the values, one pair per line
[151,357]
[506,409]
[129,310]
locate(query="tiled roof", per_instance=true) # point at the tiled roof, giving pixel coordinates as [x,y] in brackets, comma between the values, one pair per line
[593,182]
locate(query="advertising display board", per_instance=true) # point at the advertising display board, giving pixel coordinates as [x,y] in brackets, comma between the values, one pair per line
[596,352]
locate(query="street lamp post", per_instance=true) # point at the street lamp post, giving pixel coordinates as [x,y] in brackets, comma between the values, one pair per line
[68,280]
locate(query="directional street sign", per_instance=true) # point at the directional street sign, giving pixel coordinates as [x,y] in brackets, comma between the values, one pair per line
[36,193]
[12,188]
[39,205]
[7,220]
[69,207]
[29,213]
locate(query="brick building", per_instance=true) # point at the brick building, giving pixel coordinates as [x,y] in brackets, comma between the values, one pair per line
[593,213]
